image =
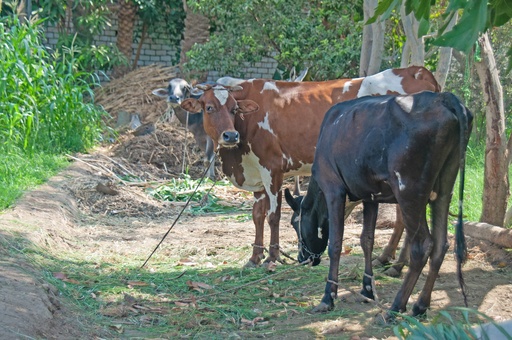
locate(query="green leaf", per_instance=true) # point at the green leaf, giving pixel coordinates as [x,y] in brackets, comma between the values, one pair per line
[384,9]
[421,8]
[466,31]
[423,28]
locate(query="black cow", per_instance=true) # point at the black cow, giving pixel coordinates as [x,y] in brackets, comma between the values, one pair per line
[387,149]
[177,91]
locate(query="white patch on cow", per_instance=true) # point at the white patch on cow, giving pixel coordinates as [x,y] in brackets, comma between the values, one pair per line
[287,159]
[266,177]
[346,87]
[265,125]
[433,196]
[381,83]
[229,81]
[303,170]
[221,94]
[405,102]
[348,84]
[262,197]
[401,186]
[270,86]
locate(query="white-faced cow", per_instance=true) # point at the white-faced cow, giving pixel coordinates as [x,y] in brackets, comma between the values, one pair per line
[177,91]
[389,149]
[278,137]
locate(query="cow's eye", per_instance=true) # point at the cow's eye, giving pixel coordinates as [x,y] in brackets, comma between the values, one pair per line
[209,109]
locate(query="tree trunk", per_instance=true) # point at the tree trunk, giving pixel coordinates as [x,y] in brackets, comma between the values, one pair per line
[139,46]
[373,42]
[496,183]
[366,47]
[488,232]
[445,57]
[126,17]
[197,31]
[414,49]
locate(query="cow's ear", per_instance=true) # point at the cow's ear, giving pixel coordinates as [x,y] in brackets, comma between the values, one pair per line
[247,106]
[191,105]
[161,92]
[291,200]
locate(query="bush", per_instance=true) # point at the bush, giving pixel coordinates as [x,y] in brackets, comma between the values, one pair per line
[45,104]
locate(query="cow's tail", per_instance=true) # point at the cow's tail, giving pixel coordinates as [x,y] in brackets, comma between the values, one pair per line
[465,120]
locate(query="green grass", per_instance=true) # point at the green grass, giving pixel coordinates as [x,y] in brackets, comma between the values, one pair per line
[20,172]
[215,298]
[171,300]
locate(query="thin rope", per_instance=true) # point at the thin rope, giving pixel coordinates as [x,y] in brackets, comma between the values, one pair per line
[183,209]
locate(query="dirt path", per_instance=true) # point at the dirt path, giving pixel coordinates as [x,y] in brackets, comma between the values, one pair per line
[69,213]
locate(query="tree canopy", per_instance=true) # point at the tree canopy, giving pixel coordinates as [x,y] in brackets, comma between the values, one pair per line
[321,35]
[477,17]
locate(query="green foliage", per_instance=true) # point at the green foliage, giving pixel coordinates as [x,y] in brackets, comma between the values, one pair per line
[324,36]
[163,15]
[186,189]
[90,19]
[477,16]
[19,173]
[45,103]
[444,326]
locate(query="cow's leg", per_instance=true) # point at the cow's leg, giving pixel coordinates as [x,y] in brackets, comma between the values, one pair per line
[439,213]
[389,251]
[274,215]
[336,210]
[403,259]
[370,210]
[210,155]
[421,244]
[258,217]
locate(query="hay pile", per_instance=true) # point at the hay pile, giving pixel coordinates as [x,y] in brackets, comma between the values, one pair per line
[132,93]
[169,148]
[164,149]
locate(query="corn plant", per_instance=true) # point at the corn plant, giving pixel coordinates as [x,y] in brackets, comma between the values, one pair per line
[45,105]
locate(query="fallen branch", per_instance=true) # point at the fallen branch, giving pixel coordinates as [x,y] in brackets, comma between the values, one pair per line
[488,232]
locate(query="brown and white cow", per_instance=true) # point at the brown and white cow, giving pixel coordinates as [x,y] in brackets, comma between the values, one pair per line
[278,138]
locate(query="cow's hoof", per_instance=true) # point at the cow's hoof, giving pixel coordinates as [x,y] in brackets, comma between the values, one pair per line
[270,266]
[379,263]
[273,260]
[384,319]
[366,296]
[419,312]
[392,272]
[251,264]
[322,308]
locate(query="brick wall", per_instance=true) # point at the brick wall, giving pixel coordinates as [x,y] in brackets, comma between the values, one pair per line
[156,49]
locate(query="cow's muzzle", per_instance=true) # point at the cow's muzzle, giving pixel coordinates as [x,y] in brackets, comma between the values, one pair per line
[230,138]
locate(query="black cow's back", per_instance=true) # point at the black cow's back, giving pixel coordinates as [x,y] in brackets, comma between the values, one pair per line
[375,140]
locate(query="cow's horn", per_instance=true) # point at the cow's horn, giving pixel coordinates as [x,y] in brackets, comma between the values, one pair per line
[203,87]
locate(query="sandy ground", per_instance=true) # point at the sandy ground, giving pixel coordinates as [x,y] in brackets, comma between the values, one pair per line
[69,211]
